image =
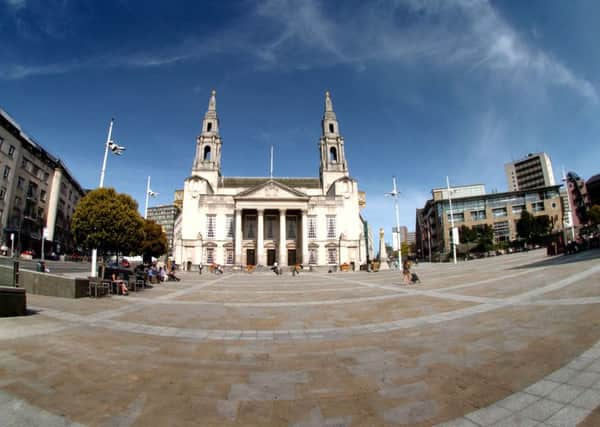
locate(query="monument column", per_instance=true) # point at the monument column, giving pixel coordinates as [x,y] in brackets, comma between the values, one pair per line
[260,235]
[238,236]
[305,256]
[282,248]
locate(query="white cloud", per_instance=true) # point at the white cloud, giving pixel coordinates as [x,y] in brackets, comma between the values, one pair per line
[16,4]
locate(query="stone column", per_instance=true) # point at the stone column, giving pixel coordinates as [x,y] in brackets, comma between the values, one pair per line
[282,248]
[238,236]
[305,255]
[260,239]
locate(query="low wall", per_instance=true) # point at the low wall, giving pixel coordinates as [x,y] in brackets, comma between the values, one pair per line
[46,284]
[12,302]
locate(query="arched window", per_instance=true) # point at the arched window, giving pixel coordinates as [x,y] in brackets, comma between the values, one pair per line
[206,156]
[331,128]
[333,155]
[208,126]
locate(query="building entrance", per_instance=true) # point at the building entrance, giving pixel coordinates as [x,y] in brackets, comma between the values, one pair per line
[270,256]
[291,257]
[250,257]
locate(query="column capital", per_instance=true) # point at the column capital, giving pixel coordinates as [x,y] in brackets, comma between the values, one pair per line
[260,211]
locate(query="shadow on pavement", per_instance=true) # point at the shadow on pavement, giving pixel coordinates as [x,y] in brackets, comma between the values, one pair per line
[563,259]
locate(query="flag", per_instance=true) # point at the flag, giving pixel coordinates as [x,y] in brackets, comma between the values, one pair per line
[152,193]
[115,148]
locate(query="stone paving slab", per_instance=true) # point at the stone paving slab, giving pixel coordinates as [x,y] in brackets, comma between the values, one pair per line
[418,359]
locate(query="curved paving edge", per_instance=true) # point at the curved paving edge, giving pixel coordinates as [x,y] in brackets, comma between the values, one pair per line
[563,398]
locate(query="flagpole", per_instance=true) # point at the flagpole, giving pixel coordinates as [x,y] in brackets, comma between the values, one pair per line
[271,168]
[147,195]
[95,251]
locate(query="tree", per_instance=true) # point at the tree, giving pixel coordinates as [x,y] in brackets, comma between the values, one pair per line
[534,230]
[468,235]
[485,238]
[107,221]
[594,215]
[154,243]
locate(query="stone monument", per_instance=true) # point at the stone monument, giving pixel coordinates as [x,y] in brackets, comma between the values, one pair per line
[383,255]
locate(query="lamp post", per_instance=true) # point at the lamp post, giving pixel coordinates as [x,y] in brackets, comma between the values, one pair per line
[453,242]
[102,172]
[394,194]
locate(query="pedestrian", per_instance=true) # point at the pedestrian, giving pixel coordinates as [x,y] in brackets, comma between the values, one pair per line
[275,268]
[406,272]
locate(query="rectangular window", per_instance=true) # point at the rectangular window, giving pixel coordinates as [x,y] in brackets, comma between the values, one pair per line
[270,221]
[331,232]
[17,202]
[210,255]
[250,227]
[46,176]
[458,217]
[2,193]
[290,227]
[501,231]
[498,212]
[312,256]
[478,215]
[43,195]
[331,256]
[24,163]
[537,206]
[517,209]
[312,227]
[6,171]
[1,141]
[229,256]
[20,183]
[229,226]
[11,151]
[211,225]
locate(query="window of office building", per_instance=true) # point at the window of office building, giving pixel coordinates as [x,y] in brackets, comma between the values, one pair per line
[229,226]
[211,226]
[517,209]
[331,227]
[331,256]
[498,212]
[210,255]
[290,227]
[312,227]
[6,171]
[11,151]
[478,215]
[20,182]
[458,217]
[2,193]
[537,206]
[501,231]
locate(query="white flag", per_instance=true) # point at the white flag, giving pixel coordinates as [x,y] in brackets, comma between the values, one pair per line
[152,193]
[115,148]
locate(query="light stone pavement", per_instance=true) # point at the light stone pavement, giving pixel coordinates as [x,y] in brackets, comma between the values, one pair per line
[511,340]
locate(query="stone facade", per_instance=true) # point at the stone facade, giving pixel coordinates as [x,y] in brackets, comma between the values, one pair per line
[259,221]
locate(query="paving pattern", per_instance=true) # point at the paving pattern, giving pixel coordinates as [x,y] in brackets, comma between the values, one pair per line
[511,340]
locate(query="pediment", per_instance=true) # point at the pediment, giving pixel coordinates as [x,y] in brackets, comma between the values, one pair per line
[272,190]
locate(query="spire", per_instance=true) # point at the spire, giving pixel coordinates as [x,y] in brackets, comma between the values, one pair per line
[329,113]
[211,113]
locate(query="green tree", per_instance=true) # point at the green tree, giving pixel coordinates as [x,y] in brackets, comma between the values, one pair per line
[468,235]
[533,229]
[594,215]
[107,221]
[154,243]
[485,238]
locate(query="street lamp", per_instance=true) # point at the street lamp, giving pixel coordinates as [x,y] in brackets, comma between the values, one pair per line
[394,194]
[454,232]
[117,150]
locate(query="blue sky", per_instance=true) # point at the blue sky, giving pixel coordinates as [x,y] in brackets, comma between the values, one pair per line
[422,88]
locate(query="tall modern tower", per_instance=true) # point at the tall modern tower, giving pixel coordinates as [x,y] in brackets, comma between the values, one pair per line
[533,171]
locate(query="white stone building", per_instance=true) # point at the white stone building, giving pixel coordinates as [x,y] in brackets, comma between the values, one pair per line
[242,221]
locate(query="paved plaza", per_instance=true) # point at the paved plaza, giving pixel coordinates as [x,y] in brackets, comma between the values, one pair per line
[507,341]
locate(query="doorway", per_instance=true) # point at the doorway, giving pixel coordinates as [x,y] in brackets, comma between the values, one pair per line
[270,256]
[291,257]
[250,257]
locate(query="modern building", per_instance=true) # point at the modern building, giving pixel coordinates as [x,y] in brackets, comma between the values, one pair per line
[37,191]
[499,210]
[578,199]
[165,215]
[592,186]
[242,221]
[533,171]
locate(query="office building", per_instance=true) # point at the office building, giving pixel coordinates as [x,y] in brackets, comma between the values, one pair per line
[533,171]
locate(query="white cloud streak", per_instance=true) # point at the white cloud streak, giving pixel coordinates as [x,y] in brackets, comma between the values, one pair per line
[286,34]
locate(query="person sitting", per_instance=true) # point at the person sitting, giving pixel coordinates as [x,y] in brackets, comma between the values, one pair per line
[296,269]
[216,268]
[406,272]
[119,284]
[171,275]
[275,268]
